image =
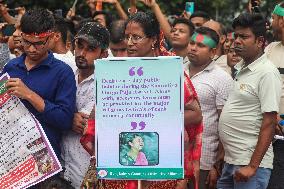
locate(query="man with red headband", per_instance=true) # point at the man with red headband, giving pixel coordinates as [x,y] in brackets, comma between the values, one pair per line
[45,85]
[212,85]
[275,53]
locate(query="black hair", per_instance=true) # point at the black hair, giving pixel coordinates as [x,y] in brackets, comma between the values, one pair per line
[116,31]
[149,24]
[254,21]
[61,26]
[70,25]
[71,39]
[209,32]
[201,14]
[229,30]
[108,17]
[186,22]
[132,137]
[37,21]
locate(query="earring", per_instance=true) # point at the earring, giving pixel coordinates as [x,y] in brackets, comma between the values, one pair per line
[153,50]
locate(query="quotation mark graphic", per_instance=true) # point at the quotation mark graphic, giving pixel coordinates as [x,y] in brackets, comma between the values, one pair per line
[139,71]
[142,125]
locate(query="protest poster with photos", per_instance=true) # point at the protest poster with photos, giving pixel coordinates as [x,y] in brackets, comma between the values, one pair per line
[139,118]
[26,156]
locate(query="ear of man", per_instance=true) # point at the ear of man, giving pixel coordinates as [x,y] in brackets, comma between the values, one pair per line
[260,41]
[213,53]
[104,53]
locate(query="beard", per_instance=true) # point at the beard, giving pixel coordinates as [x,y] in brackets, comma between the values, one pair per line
[81,62]
[276,32]
[277,35]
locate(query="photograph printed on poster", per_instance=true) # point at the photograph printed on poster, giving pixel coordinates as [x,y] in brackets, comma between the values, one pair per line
[139,148]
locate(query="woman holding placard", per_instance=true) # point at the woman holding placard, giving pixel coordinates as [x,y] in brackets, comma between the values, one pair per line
[142,35]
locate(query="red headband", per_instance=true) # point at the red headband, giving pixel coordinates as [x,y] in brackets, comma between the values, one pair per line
[40,35]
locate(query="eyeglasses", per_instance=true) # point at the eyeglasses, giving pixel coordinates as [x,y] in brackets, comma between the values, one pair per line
[37,45]
[134,38]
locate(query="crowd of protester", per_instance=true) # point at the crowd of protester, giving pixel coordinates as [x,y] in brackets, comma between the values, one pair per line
[233,88]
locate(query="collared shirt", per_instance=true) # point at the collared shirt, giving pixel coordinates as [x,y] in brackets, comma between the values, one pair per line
[222,62]
[109,53]
[257,90]
[53,81]
[212,86]
[275,52]
[186,63]
[68,58]
[76,158]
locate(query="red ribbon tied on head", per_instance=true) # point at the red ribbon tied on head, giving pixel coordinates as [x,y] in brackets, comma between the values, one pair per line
[39,35]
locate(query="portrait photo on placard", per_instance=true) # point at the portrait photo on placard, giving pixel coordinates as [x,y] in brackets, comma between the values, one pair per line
[139,148]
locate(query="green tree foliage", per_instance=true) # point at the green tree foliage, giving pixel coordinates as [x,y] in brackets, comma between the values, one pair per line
[222,10]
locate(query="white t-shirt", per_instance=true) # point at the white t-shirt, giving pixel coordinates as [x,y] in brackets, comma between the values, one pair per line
[68,58]
[221,61]
[257,90]
[274,52]
[76,158]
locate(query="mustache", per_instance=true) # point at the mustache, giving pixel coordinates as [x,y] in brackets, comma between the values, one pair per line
[80,58]
[237,48]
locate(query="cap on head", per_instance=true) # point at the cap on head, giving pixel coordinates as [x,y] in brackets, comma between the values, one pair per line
[95,34]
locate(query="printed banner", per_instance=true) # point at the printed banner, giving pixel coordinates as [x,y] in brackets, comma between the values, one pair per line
[139,118]
[26,156]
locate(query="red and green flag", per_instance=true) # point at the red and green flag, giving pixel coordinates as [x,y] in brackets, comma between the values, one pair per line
[204,39]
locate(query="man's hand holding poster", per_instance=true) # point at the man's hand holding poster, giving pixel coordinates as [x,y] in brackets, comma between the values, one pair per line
[26,157]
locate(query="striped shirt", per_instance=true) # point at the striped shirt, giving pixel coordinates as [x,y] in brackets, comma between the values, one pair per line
[212,86]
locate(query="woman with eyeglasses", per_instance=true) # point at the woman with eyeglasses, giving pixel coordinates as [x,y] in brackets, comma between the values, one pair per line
[142,35]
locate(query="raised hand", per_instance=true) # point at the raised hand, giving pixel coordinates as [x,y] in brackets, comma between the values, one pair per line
[149,3]
[3,39]
[185,15]
[21,10]
[71,13]
[250,4]
[91,4]
[3,9]
[107,1]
